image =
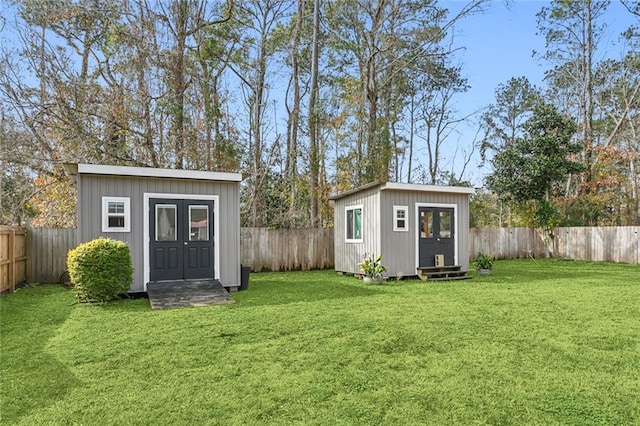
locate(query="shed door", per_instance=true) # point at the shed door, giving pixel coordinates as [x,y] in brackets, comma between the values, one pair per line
[181,239]
[436,236]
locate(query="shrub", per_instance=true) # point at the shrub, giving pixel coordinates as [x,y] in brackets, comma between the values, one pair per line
[100,269]
[372,266]
[484,261]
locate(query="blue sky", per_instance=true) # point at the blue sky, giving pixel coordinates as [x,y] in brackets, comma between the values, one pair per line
[499,45]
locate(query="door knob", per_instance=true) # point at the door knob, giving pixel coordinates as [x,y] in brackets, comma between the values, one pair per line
[186,243]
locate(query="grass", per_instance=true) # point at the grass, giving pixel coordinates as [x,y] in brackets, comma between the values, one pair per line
[540,342]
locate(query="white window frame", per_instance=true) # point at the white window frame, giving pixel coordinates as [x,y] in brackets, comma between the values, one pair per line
[106,215]
[346,215]
[404,209]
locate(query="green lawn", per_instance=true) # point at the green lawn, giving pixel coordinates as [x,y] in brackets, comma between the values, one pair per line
[540,342]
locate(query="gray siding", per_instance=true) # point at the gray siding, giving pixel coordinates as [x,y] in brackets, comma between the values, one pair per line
[348,255]
[398,248]
[91,189]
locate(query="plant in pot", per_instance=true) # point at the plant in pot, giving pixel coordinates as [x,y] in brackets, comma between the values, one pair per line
[484,263]
[372,269]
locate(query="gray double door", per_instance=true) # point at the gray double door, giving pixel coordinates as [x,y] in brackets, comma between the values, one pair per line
[436,236]
[181,239]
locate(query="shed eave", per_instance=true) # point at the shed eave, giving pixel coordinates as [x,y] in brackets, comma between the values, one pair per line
[96,169]
[397,186]
[427,188]
[353,191]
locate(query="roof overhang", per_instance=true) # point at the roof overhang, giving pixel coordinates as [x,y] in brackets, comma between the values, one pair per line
[149,172]
[397,186]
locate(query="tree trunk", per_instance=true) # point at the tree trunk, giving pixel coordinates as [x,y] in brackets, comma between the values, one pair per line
[314,160]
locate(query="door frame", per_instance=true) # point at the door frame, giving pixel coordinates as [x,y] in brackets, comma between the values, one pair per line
[416,236]
[147,230]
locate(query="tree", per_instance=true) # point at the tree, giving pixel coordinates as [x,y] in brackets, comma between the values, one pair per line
[572,31]
[503,120]
[257,21]
[440,120]
[527,172]
[376,48]
[314,150]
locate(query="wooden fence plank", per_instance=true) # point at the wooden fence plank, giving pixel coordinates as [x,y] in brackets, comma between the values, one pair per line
[38,255]
[286,249]
[13,258]
[48,248]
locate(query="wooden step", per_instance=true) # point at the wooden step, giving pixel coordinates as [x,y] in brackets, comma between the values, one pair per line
[439,268]
[458,278]
[442,273]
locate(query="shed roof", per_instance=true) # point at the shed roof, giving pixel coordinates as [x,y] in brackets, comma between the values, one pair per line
[398,186]
[95,169]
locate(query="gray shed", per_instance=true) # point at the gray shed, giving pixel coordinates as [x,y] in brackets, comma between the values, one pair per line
[412,226]
[179,224]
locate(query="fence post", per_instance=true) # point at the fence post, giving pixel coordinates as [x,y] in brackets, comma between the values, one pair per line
[12,260]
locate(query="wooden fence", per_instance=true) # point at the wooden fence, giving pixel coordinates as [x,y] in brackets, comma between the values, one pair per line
[611,244]
[286,249]
[505,243]
[48,248]
[13,258]
[39,254]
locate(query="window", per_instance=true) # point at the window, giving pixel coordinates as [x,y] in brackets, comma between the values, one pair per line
[354,224]
[445,224]
[426,224]
[400,218]
[116,214]
[166,222]
[198,223]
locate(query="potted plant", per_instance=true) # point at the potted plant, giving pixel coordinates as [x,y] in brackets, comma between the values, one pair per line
[484,263]
[372,269]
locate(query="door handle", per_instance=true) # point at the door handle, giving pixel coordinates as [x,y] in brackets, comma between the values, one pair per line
[186,243]
[437,239]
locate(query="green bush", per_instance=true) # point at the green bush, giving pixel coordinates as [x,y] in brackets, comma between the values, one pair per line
[100,269]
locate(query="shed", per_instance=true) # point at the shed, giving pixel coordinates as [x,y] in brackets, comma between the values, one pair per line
[179,224]
[412,226]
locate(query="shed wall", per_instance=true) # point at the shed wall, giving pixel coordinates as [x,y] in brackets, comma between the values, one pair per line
[349,255]
[399,248]
[91,189]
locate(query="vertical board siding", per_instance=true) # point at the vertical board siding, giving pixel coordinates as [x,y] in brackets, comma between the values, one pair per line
[287,249]
[93,187]
[349,255]
[398,248]
[13,258]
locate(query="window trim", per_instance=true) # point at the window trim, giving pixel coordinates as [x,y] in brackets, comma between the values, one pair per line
[106,215]
[346,228]
[404,209]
